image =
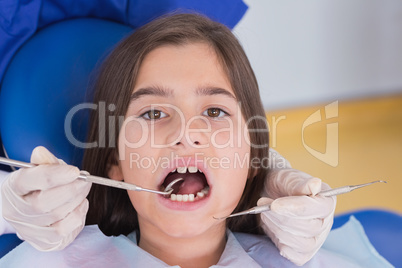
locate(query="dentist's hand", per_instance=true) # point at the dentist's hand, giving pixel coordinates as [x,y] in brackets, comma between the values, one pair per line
[46,204]
[299,221]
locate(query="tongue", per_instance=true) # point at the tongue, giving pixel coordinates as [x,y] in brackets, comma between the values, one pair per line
[192,184]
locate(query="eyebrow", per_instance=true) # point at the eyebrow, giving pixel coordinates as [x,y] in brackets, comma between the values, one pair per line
[156,91]
[209,91]
[164,92]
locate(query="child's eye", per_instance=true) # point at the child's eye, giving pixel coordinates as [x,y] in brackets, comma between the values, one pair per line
[215,112]
[153,115]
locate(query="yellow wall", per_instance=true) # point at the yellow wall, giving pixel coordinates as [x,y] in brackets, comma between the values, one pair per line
[369,148]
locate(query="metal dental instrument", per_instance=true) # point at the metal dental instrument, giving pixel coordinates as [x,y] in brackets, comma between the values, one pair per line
[326,193]
[170,185]
[345,189]
[89,178]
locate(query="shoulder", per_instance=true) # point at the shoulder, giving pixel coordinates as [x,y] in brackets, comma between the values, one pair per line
[262,250]
[250,242]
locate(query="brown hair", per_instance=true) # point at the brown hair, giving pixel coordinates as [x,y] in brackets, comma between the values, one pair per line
[111,208]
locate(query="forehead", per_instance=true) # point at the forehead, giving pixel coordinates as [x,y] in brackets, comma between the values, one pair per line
[182,66]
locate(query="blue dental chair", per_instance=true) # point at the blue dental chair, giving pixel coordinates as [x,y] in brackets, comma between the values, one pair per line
[383,228]
[46,79]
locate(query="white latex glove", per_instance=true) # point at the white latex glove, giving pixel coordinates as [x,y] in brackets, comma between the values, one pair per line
[46,204]
[299,222]
[5,226]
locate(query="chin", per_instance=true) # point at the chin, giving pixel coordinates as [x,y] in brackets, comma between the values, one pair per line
[190,229]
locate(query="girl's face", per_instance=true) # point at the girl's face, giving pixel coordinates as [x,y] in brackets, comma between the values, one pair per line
[184,122]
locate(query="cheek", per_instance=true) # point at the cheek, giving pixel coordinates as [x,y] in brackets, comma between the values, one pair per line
[241,161]
[134,134]
[231,133]
[233,170]
[141,201]
[223,137]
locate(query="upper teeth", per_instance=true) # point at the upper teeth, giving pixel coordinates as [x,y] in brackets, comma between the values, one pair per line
[184,169]
[192,169]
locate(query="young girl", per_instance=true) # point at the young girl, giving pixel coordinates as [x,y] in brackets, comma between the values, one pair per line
[191,110]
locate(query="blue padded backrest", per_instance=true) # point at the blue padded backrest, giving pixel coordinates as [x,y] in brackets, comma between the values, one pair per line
[383,228]
[47,77]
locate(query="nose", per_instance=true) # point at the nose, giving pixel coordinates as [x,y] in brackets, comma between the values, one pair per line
[196,133]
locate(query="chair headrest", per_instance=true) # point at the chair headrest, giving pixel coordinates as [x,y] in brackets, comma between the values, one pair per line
[49,76]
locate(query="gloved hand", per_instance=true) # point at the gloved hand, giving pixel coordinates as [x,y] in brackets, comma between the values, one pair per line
[299,222]
[46,204]
[5,227]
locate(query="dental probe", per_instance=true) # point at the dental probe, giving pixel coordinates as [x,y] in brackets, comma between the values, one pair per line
[89,178]
[326,193]
[170,185]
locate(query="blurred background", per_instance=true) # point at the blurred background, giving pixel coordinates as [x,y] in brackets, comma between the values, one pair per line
[330,76]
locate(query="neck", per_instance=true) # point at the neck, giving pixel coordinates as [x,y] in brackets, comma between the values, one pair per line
[202,250]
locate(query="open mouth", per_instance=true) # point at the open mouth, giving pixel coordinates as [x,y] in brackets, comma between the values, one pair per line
[193,187]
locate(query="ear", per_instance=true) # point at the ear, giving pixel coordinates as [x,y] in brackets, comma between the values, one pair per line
[115,173]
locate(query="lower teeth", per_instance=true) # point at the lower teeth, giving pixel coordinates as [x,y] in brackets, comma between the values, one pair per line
[190,197]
